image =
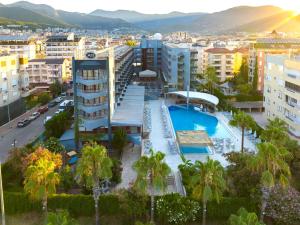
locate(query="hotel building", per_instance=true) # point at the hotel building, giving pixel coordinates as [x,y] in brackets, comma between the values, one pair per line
[282,90]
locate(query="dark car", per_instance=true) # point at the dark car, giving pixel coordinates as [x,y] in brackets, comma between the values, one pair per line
[52,104]
[23,123]
[43,109]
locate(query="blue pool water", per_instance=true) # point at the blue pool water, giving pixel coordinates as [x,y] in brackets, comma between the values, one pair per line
[191,119]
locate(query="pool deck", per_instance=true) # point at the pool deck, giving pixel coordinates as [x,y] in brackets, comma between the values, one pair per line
[160,142]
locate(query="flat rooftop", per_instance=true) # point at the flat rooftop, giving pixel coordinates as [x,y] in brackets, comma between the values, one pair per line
[131,109]
[193,138]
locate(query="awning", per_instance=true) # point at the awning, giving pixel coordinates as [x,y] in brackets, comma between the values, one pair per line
[197,95]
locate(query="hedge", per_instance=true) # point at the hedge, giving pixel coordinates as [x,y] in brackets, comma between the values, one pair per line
[78,205]
[83,205]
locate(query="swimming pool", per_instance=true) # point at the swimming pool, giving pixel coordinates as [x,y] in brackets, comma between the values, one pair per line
[191,119]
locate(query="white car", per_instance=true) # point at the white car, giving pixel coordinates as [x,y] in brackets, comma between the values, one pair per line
[59,111]
[59,99]
[47,118]
[34,116]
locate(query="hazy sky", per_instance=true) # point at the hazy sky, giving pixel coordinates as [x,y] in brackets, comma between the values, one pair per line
[161,6]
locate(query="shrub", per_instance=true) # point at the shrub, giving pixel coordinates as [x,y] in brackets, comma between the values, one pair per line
[57,125]
[44,98]
[53,145]
[175,209]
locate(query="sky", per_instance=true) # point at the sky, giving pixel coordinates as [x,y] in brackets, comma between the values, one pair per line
[160,6]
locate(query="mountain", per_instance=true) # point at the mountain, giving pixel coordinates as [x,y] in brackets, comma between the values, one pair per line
[21,14]
[285,22]
[62,18]
[133,16]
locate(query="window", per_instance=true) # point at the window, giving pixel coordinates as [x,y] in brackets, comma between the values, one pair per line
[293,87]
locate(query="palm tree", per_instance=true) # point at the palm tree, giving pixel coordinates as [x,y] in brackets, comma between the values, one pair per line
[208,184]
[244,121]
[94,165]
[211,78]
[275,132]
[270,162]
[41,180]
[154,168]
[60,218]
[243,217]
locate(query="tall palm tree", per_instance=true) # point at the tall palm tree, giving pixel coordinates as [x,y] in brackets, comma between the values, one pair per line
[244,121]
[270,162]
[275,132]
[208,184]
[152,173]
[41,180]
[94,165]
[211,78]
[243,217]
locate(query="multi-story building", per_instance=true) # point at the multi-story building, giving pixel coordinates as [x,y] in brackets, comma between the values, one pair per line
[14,81]
[100,81]
[24,46]
[43,72]
[282,90]
[179,65]
[65,46]
[264,46]
[151,53]
[226,62]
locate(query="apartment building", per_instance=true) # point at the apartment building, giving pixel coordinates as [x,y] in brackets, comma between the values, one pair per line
[282,90]
[14,81]
[267,46]
[150,53]
[65,46]
[24,45]
[100,80]
[179,65]
[43,72]
[226,62]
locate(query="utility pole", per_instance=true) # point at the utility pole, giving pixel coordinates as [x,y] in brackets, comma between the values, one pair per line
[1,198]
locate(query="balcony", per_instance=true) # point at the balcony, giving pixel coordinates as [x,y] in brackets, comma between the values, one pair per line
[91,108]
[91,94]
[81,80]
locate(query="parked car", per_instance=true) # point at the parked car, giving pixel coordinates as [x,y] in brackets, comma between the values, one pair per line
[59,111]
[52,104]
[59,99]
[64,94]
[47,118]
[43,109]
[23,123]
[34,116]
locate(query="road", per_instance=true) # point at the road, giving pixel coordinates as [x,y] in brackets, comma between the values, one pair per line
[24,135]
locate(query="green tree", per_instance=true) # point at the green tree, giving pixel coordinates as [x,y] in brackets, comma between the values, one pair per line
[255,76]
[41,180]
[244,89]
[67,178]
[208,184]
[270,162]
[94,165]
[57,125]
[53,145]
[243,217]
[60,218]
[44,98]
[120,139]
[154,168]
[243,121]
[244,70]
[55,88]
[275,132]
[211,78]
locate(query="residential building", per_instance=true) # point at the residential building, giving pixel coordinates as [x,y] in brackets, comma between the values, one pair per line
[226,62]
[43,72]
[179,65]
[14,81]
[151,53]
[282,90]
[65,46]
[24,45]
[267,46]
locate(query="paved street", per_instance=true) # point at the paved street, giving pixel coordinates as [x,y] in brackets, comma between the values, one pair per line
[23,135]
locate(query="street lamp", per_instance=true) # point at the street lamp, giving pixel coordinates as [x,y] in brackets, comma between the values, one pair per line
[14,143]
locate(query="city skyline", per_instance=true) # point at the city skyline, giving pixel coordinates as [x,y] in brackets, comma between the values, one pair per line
[158,6]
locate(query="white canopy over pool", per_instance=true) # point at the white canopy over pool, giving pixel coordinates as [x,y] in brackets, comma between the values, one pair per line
[197,95]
